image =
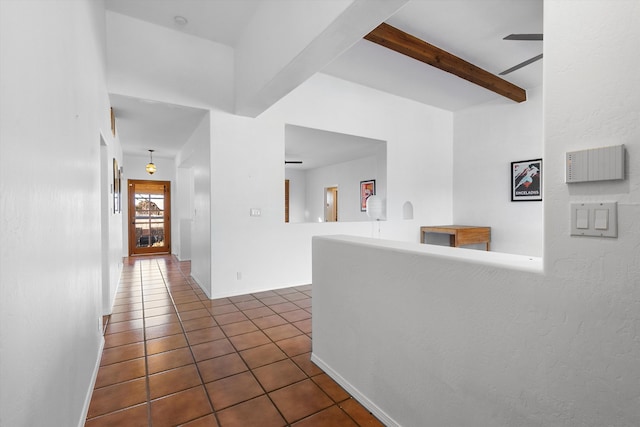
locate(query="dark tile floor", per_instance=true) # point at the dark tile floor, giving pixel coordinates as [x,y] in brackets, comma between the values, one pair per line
[174,357]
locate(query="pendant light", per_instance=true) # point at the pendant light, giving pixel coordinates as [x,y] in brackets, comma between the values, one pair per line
[151,168]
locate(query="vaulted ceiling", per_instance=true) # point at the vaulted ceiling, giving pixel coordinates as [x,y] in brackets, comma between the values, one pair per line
[470,29]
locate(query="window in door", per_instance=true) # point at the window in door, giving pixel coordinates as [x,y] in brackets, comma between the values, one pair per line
[149,217]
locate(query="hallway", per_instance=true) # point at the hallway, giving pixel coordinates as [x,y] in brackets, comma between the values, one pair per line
[174,357]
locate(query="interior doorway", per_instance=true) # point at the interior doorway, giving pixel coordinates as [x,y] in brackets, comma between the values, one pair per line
[149,217]
[331,204]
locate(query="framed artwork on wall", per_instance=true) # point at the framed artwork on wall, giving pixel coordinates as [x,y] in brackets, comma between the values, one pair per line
[367,188]
[526,181]
[113,121]
[116,187]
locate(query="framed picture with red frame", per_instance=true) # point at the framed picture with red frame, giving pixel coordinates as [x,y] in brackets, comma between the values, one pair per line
[367,188]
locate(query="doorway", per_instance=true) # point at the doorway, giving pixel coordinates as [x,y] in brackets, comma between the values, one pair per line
[149,217]
[331,204]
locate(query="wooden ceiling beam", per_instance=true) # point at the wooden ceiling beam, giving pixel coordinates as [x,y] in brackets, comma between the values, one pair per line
[401,42]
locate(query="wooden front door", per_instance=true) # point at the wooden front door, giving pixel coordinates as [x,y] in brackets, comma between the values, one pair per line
[149,217]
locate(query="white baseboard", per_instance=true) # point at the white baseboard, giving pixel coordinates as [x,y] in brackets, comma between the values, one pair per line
[355,393]
[87,399]
[195,279]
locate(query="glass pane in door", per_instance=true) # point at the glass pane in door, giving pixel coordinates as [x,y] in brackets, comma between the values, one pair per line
[149,220]
[149,233]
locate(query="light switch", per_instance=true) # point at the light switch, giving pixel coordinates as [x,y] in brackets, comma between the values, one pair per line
[582,218]
[594,219]
[601,219]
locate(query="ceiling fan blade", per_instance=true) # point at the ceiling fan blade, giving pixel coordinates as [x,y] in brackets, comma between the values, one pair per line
[528,37]
[293,162]
[522,64]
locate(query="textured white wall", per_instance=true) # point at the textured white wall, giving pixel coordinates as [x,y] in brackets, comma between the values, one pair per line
[53,109]
[269,253]
[195,156]
[297,194]
[487,138]
[111,222]
[419,144]
[467,344]
[426,335]
[184,213]
[346,176]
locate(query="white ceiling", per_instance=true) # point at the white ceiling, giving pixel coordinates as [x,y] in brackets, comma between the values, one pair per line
[470,29]
[318,148]
[150,125]
[221,21]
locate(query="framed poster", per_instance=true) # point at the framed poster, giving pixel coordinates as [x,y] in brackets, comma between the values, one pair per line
[526,180]
[367,188]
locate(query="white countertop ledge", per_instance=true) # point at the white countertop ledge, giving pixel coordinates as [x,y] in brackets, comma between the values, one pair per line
[488,258]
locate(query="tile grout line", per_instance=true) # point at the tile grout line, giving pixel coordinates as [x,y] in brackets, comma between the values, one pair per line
[146,356]
[192,289]
[250,370]
[290,358]
[266,394]
[190,293]
[186,337]
[307,376]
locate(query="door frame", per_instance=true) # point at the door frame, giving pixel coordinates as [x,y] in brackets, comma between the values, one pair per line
[131,231]
[331,204]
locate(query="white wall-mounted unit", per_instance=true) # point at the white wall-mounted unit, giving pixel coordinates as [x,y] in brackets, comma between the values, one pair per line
[597,164]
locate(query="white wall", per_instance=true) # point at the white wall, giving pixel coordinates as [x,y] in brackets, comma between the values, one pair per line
[487,138]
[422,336]
[53,109]
[134,168]
[269,253]
[184,193]
[497,347]
[111,221]
[195,157]
[297,194]
[346,176]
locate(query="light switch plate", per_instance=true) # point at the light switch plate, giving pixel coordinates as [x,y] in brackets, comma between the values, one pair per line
[582,218]
[594,219]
